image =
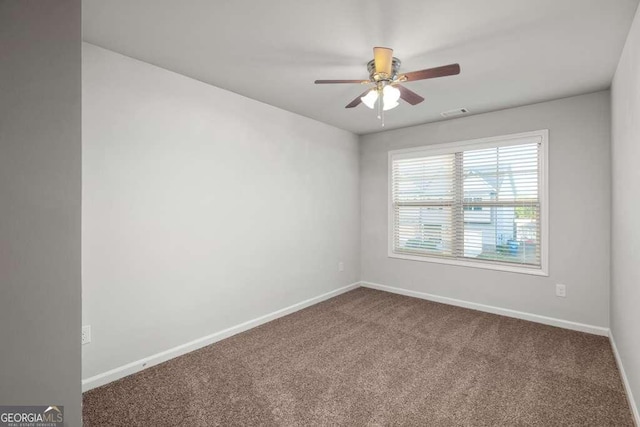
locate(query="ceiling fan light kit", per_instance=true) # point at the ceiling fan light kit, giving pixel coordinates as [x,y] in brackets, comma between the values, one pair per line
[385,78]
[370,98]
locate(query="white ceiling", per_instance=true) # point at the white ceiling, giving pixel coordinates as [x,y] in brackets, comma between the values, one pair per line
[512,52]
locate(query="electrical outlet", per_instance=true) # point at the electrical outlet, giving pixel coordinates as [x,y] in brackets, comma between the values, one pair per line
[86,334]
[341,266]
[561,290]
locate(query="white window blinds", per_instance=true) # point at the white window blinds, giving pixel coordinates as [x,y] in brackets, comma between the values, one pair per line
[477,203]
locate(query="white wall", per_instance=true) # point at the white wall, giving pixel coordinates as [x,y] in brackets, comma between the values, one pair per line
[40,166]
[625,201]
[579,179]
[202,209]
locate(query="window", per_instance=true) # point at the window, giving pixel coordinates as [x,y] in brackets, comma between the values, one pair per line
[478,203]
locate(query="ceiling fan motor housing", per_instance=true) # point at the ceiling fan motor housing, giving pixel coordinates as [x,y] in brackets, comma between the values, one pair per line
[383,77]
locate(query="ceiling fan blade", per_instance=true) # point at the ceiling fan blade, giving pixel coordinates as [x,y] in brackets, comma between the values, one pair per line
[357,101]
[322,82]
[431,73]
[410,96]
[382,57]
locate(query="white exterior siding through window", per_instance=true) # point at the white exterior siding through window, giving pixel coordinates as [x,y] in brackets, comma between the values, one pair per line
[479,203]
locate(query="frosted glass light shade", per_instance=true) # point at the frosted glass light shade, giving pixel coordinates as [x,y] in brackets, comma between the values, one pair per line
[390,96]
[370,98]
[389,105]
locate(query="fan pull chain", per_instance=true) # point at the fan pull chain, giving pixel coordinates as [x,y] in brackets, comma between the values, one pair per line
[381,108]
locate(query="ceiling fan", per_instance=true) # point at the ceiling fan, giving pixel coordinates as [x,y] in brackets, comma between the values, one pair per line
[387,90]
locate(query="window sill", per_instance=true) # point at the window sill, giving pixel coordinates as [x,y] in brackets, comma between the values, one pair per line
[482,265]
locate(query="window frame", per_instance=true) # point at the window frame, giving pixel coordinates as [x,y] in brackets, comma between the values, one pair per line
[541,136]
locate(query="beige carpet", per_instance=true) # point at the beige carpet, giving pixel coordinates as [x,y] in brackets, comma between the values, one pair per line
[373,358]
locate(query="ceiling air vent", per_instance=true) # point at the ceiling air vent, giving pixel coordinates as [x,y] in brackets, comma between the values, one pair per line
[454,112]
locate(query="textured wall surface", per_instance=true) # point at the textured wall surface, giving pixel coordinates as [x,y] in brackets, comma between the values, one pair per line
[625,201]
[202,209]
[579,212]
[40,190]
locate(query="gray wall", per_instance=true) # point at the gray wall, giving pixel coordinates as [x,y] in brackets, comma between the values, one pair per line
[625,201]
[40,162]
[202,209]
[579,177]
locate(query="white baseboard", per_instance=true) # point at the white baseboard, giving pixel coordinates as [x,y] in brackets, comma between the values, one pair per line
[139,365]
[597,330]
[625,381]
